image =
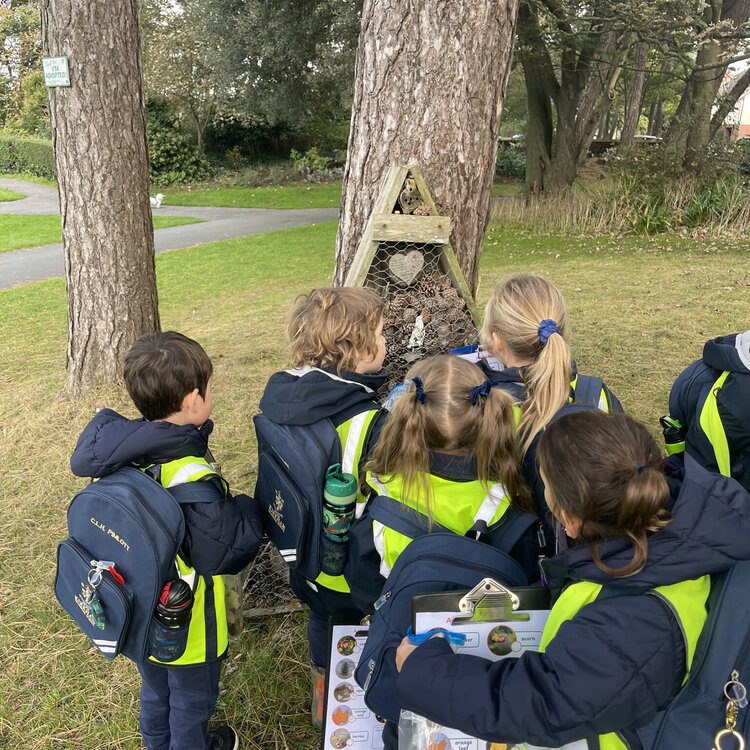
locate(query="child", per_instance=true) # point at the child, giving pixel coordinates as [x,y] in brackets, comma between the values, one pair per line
[524,326]
[168,376]
[605,664]
[711,400]
[337,352]
[449,451]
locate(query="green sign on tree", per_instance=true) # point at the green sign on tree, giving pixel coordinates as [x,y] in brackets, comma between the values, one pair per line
[56,71]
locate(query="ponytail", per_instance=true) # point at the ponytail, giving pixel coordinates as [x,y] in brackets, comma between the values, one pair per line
[528,313]
[605,470]
[451,408]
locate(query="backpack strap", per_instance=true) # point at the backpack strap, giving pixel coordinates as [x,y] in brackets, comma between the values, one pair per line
[509,530]
[194,492]
[402,519]
[588,390]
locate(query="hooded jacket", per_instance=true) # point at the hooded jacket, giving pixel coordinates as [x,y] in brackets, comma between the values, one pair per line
[618,661]
[726,354]
[221,537]
[306,395]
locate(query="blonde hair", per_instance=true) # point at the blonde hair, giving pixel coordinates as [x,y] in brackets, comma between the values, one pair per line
[334,327]
[606,471]
[514,312]
[447,420]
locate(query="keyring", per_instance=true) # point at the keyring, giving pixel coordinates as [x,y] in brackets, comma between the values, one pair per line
[728,732]
[95,577]
[739,690]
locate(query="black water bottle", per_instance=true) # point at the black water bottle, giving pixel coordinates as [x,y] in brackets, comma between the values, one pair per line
[171,621]
[674,434]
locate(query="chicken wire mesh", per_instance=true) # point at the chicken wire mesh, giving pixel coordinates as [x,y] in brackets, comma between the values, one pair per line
[265,585]
[425,314]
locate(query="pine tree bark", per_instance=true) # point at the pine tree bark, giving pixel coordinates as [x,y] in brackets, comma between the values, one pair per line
[101,158]
[429,83]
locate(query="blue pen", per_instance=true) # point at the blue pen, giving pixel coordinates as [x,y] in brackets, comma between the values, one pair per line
[455,639]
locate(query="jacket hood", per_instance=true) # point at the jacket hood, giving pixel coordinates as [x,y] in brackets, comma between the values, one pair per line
[708,534]
[729,352]
[111,441]
[308,394]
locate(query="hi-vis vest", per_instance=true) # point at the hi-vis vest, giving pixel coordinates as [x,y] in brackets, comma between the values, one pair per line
[207,637]
[710,422]
[352,435]
[455,505]
[686,599]
[604,404]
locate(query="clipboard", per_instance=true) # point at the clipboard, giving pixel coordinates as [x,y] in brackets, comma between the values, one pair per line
[347,720]
[498,621]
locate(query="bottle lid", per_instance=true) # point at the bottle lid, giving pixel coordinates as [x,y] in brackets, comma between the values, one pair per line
[176,594]
[338,483]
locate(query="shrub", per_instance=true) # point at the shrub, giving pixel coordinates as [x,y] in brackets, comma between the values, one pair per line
[317,167]
[511,160]
[172,157]
[32,155]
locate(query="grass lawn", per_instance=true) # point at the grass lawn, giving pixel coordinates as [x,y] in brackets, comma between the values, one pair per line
[507,189]
[9,195]
[19,230]
[640,311]
[303,195]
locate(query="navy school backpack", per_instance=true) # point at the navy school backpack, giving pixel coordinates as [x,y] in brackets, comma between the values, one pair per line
[722,657]
[292,463]
[124,532]
[436,560]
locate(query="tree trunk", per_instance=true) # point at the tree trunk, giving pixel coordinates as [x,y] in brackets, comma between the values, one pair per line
[633,108]
[429,83]
[101,158]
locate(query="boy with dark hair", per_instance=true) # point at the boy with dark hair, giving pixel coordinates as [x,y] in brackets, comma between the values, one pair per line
[168,376]
[337,352]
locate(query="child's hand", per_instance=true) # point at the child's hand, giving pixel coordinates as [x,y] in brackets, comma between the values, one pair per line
[405,648]
[402,653]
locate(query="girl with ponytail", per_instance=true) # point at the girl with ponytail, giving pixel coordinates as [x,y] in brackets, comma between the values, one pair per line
[448,451]
[629,597]
[524,327]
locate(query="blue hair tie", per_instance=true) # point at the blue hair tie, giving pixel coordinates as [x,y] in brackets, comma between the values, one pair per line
[639,467]
[480,390]
[546,328]
[419,389]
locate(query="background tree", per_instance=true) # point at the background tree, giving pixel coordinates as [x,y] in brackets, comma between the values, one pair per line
[99,139]
[20,56]
[428,89]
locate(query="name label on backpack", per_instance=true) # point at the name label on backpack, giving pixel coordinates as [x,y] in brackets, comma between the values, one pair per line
[110,532]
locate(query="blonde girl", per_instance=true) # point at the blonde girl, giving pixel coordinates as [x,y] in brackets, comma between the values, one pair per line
[524,327]
[448,451]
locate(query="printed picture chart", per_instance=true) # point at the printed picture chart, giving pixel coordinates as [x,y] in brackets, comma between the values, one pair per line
[490,640]
[348,722]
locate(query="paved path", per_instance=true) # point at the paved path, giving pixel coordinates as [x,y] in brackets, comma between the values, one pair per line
[37,263]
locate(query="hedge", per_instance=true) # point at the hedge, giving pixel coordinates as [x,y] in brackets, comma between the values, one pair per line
[32,155]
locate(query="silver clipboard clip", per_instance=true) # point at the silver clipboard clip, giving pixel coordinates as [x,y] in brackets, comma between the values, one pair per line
[498,603]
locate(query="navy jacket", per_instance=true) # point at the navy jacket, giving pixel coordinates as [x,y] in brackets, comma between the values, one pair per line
[511,380]
[689,392]
[617,662]
[221,537]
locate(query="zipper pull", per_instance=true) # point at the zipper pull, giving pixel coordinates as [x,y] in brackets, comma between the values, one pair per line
[382,600]
[371,666]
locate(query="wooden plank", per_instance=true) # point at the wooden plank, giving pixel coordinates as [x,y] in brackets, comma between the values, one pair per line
[424,191]
[363,258]
[433,230]
[390,189]
[449,263]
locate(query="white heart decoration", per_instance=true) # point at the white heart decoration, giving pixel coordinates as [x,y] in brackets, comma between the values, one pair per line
[406,267]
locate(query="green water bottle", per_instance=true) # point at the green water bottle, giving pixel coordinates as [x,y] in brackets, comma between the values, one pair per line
[339,503]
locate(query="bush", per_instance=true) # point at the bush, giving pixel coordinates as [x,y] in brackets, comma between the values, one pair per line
[32,155]
[511,160]
[317,167]
[172,158]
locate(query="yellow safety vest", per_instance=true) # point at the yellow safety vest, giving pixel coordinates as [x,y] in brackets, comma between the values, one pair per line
[603,404]
[455,505]
[686,599]
[352,435]
[207,637]
[710,423]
